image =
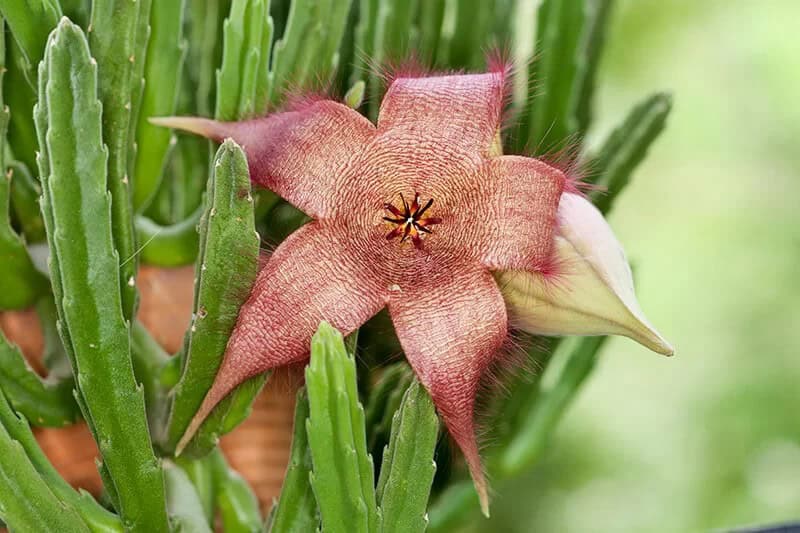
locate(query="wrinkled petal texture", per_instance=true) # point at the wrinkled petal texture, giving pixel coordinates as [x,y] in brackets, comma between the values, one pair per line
[298,154]
[527,191]
[436,138]
[305,282]
[450,330]
[460,112]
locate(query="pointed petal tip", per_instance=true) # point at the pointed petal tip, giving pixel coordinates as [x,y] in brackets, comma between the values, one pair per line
[640,330]
[180,447]
[210,401]
[162,121]
[197,125]
[484,500]
[187,436]
[655,342]
[478,478]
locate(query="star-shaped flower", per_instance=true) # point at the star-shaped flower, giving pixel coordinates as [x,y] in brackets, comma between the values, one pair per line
[472,212]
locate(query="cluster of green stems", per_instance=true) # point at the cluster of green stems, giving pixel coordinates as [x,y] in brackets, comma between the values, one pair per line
[87,174]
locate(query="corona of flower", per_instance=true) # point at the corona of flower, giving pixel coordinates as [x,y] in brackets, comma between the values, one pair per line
[416,213]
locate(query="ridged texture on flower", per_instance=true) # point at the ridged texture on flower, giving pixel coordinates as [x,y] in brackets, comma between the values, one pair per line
[433,141]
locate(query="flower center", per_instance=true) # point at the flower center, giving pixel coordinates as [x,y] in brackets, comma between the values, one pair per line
[409,221]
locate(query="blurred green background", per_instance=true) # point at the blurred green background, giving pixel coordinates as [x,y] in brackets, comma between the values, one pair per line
[709,439]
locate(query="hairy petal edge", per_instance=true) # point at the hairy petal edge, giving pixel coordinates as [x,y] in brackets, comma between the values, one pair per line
[306,280]
[451,331]
[297,154]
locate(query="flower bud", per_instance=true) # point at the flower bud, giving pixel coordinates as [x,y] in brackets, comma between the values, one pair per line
[591,292]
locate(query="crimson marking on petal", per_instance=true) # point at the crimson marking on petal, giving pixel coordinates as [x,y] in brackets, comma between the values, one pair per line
[394,233]
[422,211]
[393,210]
[415,204]
[429,221]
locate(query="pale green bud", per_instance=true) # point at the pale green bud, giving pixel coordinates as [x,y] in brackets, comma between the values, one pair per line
[591,291]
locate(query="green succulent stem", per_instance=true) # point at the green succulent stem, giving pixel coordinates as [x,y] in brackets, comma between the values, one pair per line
[30,21]
[21,484]
[626,147]
[296,510]
[202,478]
[46,402]
[77,213]
[550,110]
[25,193]
[168,246]
[408,467]
[238,506]
[19,85]
[384,401]
[473,17]
[308,47]
[164,63]
[598,13]
[20,283]
[547,409]
[243,82]
[342,476]
[226,268]
[113,190]
[388,27]
[185,509]
[115,45]
[16,428]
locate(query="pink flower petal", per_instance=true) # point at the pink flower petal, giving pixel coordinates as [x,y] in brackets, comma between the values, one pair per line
[297,154]
[451,329]
[307,280]
[524,213]
[462,111]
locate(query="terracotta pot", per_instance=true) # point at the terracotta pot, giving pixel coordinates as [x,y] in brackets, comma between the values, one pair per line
[258,449]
